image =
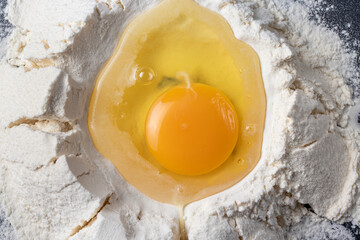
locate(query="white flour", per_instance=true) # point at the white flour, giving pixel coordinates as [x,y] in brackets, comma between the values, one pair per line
[54,185]
[312,227]
[6,230]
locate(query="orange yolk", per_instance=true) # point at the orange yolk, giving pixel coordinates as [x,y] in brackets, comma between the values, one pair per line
[191,130]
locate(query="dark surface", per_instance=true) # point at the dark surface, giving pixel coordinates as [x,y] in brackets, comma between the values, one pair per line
[4,25]
[341,15]
[344,17]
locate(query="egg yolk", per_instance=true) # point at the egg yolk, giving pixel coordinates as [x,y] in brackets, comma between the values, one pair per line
[179,108]
[191,130]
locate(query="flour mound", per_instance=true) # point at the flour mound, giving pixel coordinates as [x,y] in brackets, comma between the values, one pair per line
[55,185]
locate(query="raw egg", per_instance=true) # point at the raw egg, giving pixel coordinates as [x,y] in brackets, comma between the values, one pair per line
[179,108]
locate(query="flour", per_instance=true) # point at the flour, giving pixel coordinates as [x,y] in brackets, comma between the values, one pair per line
[55,185]
[311,227]
[6,230]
